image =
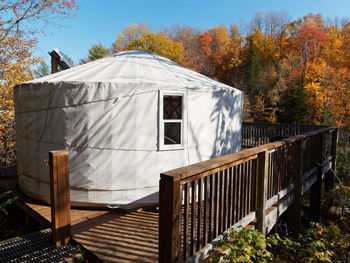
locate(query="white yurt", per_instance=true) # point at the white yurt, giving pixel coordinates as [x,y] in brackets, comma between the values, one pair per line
[124,119]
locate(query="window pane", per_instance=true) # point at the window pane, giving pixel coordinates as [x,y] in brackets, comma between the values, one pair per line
[172,107]
[172,133]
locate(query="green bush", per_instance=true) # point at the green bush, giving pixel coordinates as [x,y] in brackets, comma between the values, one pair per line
[245,246]
[318,243]
[5,200]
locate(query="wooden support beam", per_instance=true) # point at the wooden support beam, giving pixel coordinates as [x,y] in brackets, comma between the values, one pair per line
[60,197]
[169,219]
[330,175]
[263,159]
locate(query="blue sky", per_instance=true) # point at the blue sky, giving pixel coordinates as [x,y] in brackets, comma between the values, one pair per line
[100,21]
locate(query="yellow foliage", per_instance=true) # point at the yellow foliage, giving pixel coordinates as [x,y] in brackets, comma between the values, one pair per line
[159,44]
[329,92]
[333,51]
[265,46]
[16,60]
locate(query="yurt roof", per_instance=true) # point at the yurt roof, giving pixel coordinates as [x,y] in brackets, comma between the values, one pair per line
[133,66]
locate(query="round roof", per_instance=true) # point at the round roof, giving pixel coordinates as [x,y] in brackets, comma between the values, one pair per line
[134,66]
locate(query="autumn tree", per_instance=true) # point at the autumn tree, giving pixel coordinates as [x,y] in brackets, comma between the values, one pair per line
[160,45]
[193,57]
[128,35]
[20,16]
[222,50]
[308,43]
[12,71]
[18,25]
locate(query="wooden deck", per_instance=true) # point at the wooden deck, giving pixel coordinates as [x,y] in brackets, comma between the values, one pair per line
[111,236]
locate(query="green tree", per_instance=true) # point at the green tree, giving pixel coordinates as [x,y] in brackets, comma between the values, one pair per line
[42,70]
[295,107]
[97,52]
[252,72]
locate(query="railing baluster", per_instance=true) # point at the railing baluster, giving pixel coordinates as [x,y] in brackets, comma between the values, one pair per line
[211,208]
[221,198]
[239,190]
[230,197]
[225,194]
[205,216]
[199,223]
[262,187]
[193,218]
[249,186]
[236,200]
[246,188]
[186,221]
[216,206]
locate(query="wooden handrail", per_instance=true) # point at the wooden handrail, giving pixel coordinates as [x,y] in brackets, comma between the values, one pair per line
[284,124]
[197,168]
[255,134]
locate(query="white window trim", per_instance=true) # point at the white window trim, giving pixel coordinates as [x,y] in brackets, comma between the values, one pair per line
[161,145]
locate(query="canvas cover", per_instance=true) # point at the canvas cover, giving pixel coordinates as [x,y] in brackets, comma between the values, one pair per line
[106,114]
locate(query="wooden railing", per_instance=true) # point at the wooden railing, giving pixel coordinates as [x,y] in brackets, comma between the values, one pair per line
[255,134]
[198,203]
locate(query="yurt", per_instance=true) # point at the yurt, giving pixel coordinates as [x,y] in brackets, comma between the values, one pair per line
[124,119]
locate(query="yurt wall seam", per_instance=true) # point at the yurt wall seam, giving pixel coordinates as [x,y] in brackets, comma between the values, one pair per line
[88,147]
[96,101]
[109,149]
[89,102]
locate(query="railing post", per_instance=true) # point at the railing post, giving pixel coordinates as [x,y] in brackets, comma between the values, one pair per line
[329,177]
[263,159]
[169,219]
[60,197]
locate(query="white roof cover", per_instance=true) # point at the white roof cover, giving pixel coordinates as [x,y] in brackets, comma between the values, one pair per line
[134,66]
